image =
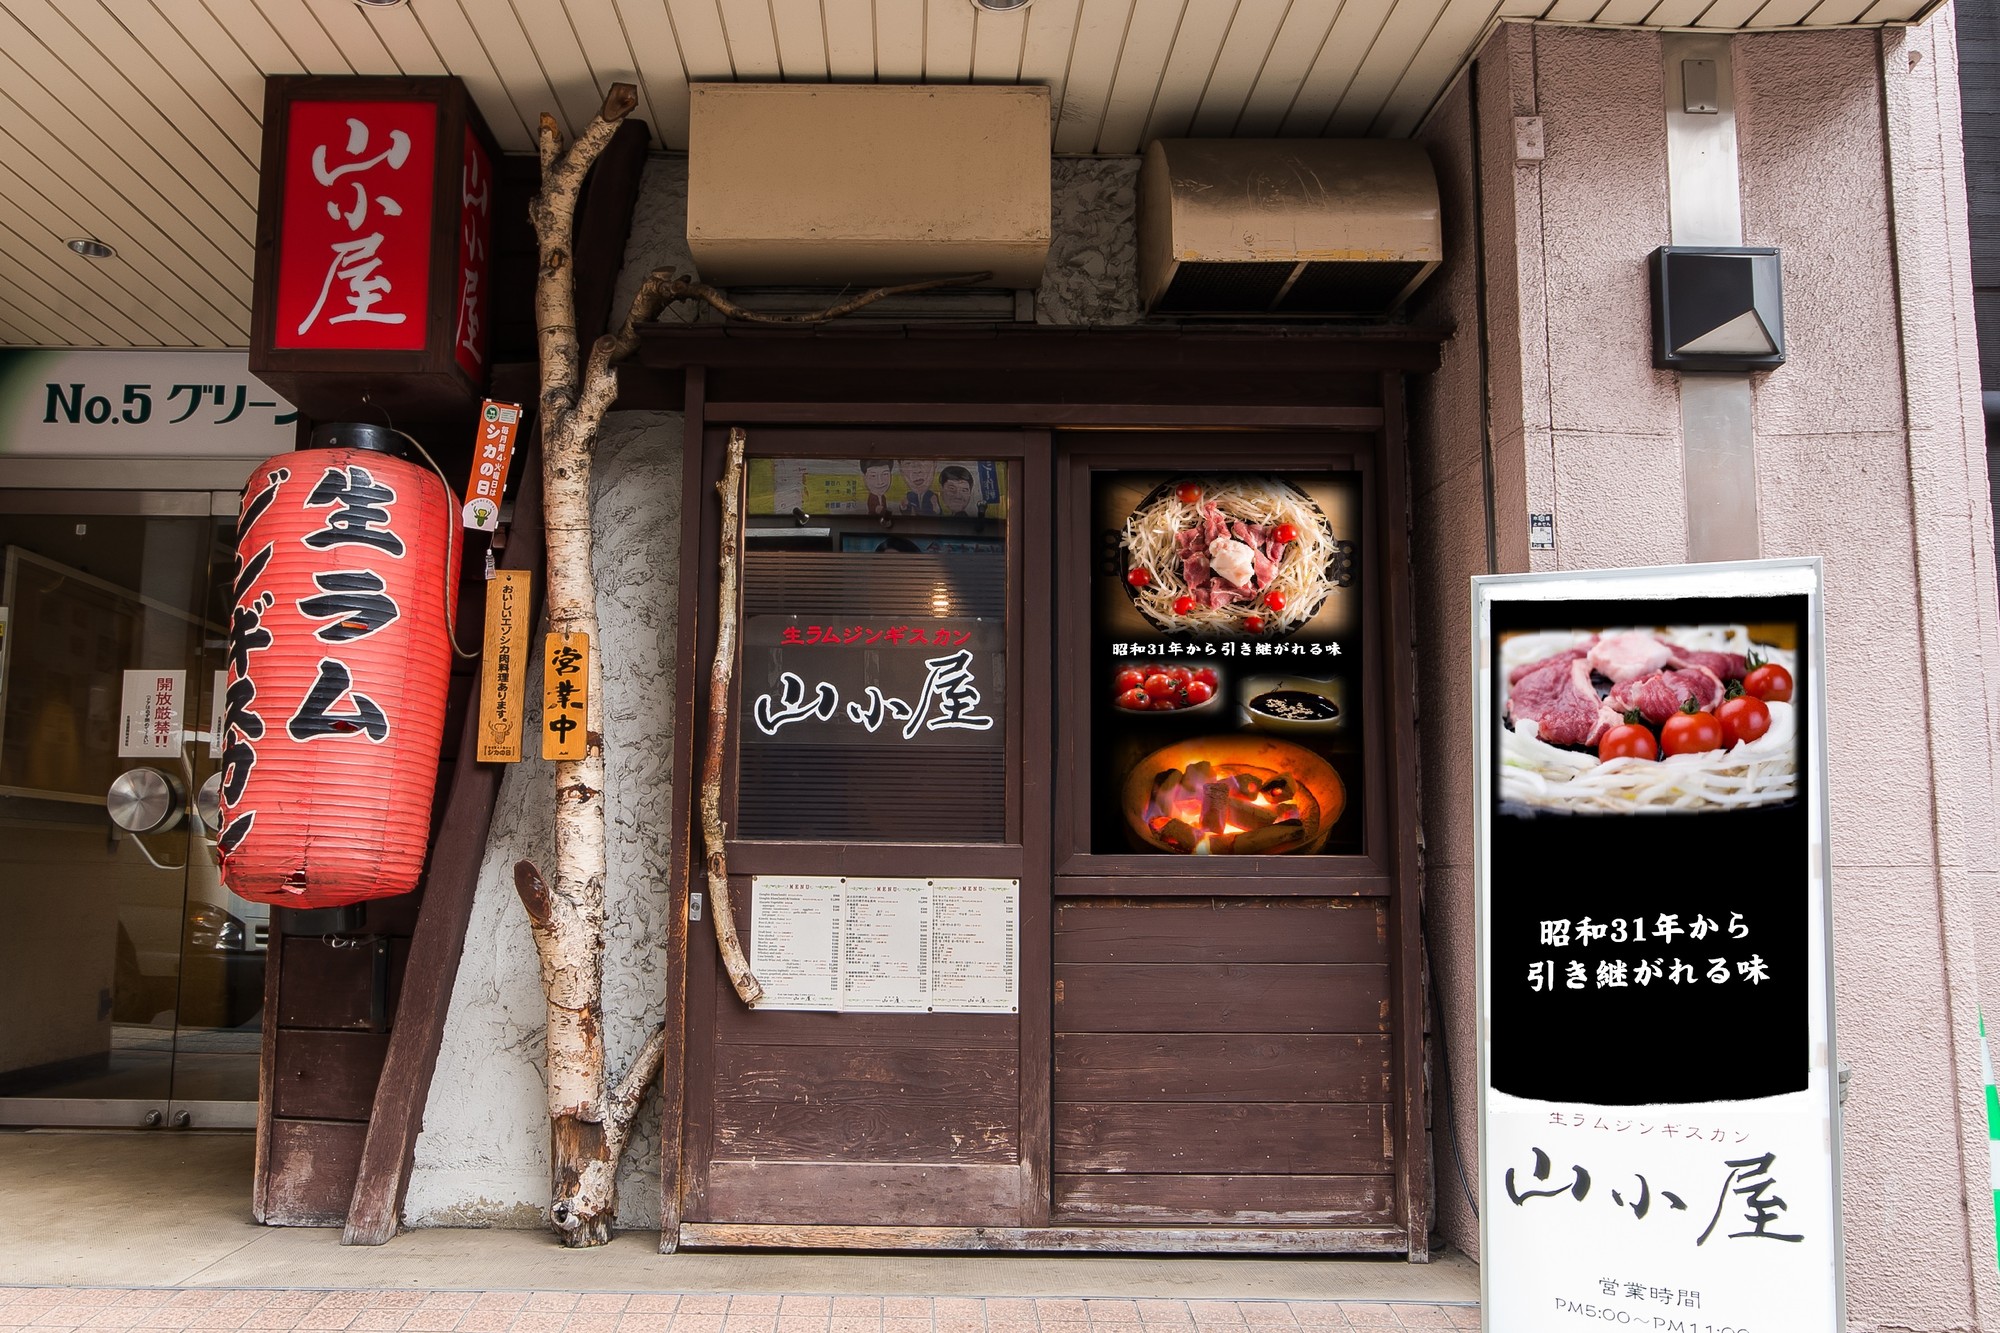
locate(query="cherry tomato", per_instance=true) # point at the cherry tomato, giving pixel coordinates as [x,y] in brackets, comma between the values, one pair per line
[1255,624]
[1179,675]
[1285,532]
[1183,604]
[1161,686]
[1135,699]
[1770,682]
[1188,493]
[1629,741]
[1691,733]
[1275,600]
[1139,577]
[1208,677]
[1744,718]
[1131,678]
[1199,692]
[1167,703]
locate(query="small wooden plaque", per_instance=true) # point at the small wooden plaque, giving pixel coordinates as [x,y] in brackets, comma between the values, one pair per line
[565,695]
[503,667]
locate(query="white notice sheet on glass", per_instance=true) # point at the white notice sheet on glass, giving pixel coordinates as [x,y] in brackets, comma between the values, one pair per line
[975,941]
[886,955]
[795,940]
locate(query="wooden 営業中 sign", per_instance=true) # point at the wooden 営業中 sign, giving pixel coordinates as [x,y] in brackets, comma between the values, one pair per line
[500,668]
[565,695]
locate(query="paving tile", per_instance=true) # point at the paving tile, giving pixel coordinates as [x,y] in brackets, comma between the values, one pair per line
[960,1322]
[602,1321]
[857,1307]
[539,1321]
[548,1302]
[644,1321]
[696,1321]
[855,1323]
[374,1321]
[803,1323]
[1061,1311]
[907,1324]
[1370,1314]
[1064,1326]
[1423,1316]
[1265,1314]
[704,1303]
[907,1307]
[1215,1312]
[1463,1316]
[652,1302]
[749,1323]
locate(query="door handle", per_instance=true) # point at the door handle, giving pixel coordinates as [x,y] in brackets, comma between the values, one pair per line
[146,800]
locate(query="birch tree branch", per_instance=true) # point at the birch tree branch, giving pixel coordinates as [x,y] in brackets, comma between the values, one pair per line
[553,212]
[687,289]
[748,988]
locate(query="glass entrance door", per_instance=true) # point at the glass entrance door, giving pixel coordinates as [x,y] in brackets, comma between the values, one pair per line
[132,981]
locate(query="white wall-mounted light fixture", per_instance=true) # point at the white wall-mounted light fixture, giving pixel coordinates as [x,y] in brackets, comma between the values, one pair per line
[91,248]
[380,4]
[1001,6]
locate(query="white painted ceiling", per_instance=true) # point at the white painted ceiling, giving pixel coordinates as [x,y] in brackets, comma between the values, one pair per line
[137,121]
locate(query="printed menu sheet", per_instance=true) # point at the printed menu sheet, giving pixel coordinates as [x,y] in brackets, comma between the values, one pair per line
[886,945]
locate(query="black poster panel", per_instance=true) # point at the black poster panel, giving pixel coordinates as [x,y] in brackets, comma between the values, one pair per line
[1648,919]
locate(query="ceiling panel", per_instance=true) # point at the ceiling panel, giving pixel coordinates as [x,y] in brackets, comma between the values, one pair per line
[138,121]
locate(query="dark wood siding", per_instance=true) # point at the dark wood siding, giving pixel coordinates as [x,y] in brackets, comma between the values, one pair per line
[1253,1086]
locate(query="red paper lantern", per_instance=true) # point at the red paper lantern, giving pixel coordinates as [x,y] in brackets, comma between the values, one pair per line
[339,660]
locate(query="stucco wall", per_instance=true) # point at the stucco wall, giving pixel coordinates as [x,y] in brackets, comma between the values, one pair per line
[482,1159]
[1867,455]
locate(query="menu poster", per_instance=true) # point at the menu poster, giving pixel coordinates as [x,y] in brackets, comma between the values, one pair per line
[975,947]
[892,945]
[795,941]
[885,949]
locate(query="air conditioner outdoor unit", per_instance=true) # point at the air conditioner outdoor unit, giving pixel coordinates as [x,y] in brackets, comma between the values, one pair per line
[1286,227]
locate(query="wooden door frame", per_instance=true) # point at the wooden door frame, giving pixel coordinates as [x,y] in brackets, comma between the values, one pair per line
[1028,380]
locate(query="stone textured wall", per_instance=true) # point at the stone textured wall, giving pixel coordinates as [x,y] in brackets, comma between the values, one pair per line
[1868,455]
[482,1159]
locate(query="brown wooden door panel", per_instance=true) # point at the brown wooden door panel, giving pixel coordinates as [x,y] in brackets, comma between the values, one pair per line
[310,1171]
[1222,930]
[1221,1067]
[1221,997]
[325,988]
[1244,1138]
[817,1194]
[866,1104]
[326,1075]
[1240,1200]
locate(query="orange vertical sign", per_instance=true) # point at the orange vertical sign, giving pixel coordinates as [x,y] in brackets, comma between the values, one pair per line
[492,453]
[503,667]
[565,695]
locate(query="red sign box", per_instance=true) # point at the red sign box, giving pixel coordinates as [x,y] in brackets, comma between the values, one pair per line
[475,238]
[354,255]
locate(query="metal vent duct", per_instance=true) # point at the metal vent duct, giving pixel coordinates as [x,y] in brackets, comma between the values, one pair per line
[1285,227]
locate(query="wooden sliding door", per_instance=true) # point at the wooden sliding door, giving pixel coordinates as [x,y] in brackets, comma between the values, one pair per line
[887,750]
[1231,1045]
